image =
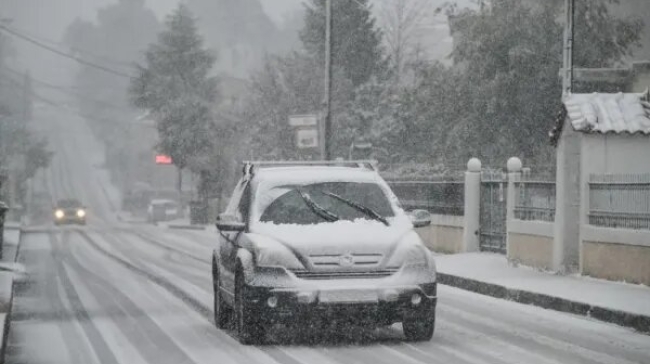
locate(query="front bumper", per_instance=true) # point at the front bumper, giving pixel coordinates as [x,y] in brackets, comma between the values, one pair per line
[70,220]
[357,302]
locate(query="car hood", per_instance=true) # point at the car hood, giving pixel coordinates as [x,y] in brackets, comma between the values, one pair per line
[323,246]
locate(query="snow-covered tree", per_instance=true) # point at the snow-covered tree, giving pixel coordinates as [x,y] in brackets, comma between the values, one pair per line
[175,85]
[356,40]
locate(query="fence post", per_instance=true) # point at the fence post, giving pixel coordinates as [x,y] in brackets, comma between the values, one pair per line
[472,206]
[514,176]
[3,214]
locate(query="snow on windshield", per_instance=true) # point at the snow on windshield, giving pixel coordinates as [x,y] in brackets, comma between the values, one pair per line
[312,203]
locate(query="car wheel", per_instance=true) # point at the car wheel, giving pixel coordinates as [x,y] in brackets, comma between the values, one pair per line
[222,312]
[419,329]
[249,330]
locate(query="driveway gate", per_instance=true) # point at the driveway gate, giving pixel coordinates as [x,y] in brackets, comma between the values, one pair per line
[493,212]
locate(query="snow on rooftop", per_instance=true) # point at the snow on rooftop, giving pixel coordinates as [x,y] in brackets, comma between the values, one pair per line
[604,113]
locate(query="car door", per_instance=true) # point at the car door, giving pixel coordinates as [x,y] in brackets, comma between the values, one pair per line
[228,239]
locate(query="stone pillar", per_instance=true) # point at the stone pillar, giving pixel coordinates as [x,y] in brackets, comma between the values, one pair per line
[566,241]
[472,206]
[514,176]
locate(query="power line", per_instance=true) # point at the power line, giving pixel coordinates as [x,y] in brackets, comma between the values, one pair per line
[54,43]
[68,90]
[43,83]
[70,111]
[64,54]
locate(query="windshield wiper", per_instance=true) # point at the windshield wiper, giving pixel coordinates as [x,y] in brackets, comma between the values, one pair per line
[317,209]
[364,209]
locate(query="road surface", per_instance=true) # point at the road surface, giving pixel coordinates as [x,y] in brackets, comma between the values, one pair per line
[114,292]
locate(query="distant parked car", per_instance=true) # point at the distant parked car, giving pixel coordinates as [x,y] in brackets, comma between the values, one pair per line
[163,210]
[69,211]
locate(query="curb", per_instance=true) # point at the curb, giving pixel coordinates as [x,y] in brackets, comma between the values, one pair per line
[638,322]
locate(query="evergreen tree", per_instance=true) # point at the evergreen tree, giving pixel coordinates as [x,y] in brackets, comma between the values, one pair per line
[356,41]
[175,86]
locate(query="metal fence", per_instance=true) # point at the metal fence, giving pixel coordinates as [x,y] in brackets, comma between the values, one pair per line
[620,201]
[535,197]
[437,197]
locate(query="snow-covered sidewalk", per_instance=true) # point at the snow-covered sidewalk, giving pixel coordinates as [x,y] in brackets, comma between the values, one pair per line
[486,273]
[8,270]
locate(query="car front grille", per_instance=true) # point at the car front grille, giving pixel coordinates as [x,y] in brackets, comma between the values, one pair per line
[344,275]
[336,260]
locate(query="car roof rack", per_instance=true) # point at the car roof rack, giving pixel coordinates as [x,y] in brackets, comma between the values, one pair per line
[369,164]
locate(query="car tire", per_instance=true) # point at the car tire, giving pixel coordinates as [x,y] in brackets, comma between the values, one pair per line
[249,329]
[222,313]
[419,329]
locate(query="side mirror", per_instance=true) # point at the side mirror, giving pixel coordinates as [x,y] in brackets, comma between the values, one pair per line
[231,226]
[420,218]
[226,222]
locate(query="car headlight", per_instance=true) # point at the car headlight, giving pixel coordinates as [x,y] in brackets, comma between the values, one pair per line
[81,213]
[277,256]
[59,214]
[410,252]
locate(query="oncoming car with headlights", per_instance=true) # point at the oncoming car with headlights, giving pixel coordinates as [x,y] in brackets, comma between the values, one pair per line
[320,243]
[69,211]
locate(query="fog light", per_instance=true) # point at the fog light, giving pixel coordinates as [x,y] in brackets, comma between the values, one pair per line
[81,213]
[416,299]
[391,295]
[305,297]
[272,302]
[59,214]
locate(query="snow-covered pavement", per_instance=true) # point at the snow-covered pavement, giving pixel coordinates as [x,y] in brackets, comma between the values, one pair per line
[113,292]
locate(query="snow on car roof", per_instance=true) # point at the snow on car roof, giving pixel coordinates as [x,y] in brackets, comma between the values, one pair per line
[312,174]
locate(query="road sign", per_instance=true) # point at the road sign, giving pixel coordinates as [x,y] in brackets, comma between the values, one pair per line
[163,159]
[307,138]
[303,120]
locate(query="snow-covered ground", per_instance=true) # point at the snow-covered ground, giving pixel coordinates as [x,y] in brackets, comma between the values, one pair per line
[113,292]
[493,268]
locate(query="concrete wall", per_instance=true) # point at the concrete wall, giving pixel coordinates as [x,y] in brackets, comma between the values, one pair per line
[615,153]
[642,80]
[444,235]
[616,254]
[530,243]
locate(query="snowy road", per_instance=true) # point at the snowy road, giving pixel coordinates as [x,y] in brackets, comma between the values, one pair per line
[113,292]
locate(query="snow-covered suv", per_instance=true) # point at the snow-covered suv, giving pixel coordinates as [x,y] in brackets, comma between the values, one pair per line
[320,242]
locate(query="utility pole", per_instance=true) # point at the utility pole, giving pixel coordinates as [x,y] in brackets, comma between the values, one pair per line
[27,94]
[567,75]
[326,153]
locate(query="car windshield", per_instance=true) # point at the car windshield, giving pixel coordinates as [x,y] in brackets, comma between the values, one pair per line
[327,201]
[67,204]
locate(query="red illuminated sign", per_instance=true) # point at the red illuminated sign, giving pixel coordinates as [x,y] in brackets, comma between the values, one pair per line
[163,159]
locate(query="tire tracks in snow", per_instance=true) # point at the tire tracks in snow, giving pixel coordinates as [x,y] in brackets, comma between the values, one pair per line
[104,353]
